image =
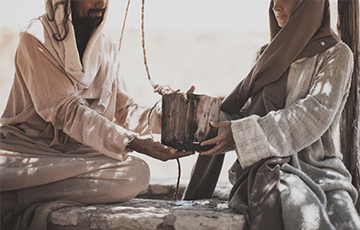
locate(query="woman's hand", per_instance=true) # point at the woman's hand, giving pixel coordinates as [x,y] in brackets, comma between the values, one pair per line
[223,142]
[148,146]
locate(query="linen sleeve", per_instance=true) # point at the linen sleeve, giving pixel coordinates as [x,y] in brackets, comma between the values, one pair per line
[285,132]
[56,101]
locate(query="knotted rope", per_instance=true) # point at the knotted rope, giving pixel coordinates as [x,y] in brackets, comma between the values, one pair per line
[160,89]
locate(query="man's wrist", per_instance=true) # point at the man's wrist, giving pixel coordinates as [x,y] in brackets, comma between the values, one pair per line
[133,142]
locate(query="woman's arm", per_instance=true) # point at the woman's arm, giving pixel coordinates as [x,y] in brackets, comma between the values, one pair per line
[287,131]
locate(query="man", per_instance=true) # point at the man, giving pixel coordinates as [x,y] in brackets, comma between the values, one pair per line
[69,122]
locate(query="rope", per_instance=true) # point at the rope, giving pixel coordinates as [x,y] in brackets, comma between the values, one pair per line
[178,180]
[143,44]
[149,118]
[162,90]
[157,88]
[122,35]
[123,27]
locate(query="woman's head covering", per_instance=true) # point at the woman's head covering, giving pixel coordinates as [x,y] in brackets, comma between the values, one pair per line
[306,33]
[90,77]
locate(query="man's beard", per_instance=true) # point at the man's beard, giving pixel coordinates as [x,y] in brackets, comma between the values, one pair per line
[88,23]
[95,21]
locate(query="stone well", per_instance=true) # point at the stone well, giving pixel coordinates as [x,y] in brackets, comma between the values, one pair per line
[144,213]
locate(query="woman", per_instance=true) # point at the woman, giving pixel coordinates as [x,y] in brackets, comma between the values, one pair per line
[289,173]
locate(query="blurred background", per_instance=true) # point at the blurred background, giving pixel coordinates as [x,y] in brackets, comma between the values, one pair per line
[206,43]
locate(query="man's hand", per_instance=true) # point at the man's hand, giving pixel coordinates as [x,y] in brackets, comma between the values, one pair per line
[155,149]
[223,142]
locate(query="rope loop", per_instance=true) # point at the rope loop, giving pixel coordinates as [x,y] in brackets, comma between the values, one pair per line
[160,89]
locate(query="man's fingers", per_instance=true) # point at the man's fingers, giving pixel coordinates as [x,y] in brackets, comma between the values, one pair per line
[184,154]
[175,152]
[171,150]
[179,154]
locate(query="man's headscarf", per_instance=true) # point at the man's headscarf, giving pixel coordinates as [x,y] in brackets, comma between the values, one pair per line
[90,77]
[306,33]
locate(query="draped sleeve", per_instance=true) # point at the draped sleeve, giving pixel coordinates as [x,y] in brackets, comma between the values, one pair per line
[303,122]
[56,100]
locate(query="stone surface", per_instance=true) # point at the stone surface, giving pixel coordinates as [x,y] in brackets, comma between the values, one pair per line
[148,214]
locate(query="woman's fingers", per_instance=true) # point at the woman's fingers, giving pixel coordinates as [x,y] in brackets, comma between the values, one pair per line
[220,124]
[216,150]
[216,124]
[223,141]
[218,138]
[191,90]
[211,141]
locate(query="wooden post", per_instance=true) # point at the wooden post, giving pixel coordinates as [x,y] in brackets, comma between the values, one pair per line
[348,28]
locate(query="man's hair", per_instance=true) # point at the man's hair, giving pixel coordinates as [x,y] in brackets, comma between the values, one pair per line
[51,17]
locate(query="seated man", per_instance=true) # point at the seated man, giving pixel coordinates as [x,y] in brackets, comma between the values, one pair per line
[69,122]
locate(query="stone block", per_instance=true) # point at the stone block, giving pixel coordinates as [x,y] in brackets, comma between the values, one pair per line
[148,214]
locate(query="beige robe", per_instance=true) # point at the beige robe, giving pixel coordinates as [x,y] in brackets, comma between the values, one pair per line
[47,118]
[66,127]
